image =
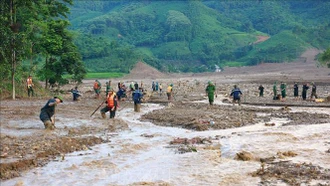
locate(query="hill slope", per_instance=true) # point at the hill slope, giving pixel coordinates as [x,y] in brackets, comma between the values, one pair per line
[194,36]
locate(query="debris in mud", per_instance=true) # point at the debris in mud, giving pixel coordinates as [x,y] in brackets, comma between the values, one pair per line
[186,141]
[184,145]
[117,125]
[160,183]
[293,173]
[200,117]
[147,135]
[269,124]
[185,148]
[33,152]
[245,156]
[286,154]
[286,109]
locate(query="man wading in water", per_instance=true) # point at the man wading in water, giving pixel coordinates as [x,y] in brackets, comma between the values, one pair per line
[48,111]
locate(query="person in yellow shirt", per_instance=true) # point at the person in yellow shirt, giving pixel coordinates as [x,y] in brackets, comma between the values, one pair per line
[169,92]
[29,86]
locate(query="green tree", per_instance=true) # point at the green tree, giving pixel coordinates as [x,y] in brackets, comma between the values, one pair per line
[25,31]
[325,58]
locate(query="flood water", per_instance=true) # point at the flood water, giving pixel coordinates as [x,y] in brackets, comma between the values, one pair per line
[130,157]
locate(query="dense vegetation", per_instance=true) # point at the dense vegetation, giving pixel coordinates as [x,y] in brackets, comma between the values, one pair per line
[196,35]
[41,38]
[32,31]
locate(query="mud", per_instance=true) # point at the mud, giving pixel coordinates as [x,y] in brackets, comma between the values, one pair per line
[272,133]
[293,173]
[25,144]
[201,116]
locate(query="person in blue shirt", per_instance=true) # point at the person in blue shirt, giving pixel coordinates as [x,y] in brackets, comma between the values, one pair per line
[48,111]
[137,97]
[236,94]
[75,94]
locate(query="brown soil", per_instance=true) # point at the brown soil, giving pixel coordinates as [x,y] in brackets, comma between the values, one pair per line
[144,71]
[25,144]
[261,39]
[292,173]
[201,116]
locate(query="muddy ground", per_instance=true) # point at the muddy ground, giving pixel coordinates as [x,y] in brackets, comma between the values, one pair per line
[25,144]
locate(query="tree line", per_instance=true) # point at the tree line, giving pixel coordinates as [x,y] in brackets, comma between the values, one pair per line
[37,29]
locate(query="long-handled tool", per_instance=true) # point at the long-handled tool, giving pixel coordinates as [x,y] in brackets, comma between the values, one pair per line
[97,108]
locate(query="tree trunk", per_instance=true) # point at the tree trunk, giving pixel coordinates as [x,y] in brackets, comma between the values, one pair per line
[13,54]
[46,79]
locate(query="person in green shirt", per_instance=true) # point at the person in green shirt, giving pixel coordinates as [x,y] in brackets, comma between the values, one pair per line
[210,89]
[275,91]
[261,91]
[107,88]
[283,89]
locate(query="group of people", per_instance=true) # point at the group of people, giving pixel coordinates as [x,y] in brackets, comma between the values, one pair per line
[283,94]
[157,86]
[211,93]
[113,98]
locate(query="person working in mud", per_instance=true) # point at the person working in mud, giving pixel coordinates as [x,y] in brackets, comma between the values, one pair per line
[156,86]
[261,91]
[136,85]
[132,87]
[107,88]
[210,89]
[121,92]
[295,90]
[304,91]
[29,86]
[313,94]
[111,106]
[275,97]
[48,111]
[236,94]
[137,98]
[169,92]
[153,86]
[283,90]
[119,85]
[160,89]
[97,88]
[75,94]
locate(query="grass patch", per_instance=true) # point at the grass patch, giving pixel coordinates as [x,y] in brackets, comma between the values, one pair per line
[100,75]
[103,75]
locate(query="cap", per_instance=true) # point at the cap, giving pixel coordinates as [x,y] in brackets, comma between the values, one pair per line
[60,98]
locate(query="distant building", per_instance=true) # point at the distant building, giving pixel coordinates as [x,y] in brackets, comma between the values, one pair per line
[217,68]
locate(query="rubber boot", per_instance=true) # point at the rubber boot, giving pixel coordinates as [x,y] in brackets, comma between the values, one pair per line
[138,106]
[103,115]
[49,125]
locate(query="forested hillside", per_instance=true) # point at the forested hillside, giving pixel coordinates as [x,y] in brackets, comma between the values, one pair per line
[196,35]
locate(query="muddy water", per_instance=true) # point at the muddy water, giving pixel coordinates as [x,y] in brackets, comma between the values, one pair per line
[131,157]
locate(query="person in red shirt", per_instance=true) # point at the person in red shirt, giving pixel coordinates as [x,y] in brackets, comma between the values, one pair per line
[97,88]
[29,86]
[111,106]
